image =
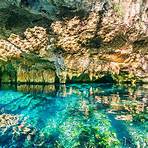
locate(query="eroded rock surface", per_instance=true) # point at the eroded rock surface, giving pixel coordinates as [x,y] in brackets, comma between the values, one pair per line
[110,39]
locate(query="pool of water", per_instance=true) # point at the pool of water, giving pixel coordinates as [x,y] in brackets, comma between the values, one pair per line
[74,116]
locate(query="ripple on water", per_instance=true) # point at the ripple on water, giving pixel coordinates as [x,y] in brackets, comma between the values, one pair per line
[76,115]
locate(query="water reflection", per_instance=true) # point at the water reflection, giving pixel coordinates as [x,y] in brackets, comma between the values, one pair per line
[86,115]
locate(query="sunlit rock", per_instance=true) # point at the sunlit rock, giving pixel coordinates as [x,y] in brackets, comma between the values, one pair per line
[35,76]
[104,40]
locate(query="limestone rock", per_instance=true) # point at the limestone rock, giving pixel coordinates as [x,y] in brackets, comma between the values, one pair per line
[102,40]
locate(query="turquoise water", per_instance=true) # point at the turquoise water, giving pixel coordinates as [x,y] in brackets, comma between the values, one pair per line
[74,116]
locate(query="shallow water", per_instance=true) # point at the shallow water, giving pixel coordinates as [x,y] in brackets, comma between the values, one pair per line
[74,115]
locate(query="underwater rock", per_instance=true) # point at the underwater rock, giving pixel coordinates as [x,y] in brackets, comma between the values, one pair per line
[7,120]
[124,117]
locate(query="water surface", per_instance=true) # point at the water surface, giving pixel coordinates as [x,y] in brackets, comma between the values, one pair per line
[74,116]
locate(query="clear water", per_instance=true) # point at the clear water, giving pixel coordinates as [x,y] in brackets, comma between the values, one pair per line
[74,116]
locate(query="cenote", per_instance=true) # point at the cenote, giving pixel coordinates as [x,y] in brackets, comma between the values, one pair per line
[73,116]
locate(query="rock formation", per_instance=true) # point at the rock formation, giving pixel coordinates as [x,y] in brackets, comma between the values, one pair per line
[94,40]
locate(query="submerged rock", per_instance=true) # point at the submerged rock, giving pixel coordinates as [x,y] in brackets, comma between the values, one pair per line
[124,117]
[8,120]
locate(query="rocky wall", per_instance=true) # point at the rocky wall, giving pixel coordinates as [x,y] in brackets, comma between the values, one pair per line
[108,43]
